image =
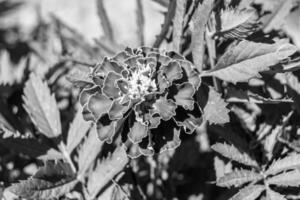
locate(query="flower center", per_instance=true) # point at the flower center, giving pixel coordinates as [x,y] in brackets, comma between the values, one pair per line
[140,82]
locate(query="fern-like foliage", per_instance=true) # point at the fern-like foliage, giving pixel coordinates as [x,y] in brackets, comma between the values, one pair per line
[233,23]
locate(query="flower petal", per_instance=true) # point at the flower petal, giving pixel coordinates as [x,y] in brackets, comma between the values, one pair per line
[137,132]
[123,85]
[106,129]
[99,105]
[120,57]
[148,50]
[165,108]
[118,109]
[86,113]
[110,87]
[187,119]
[154,121]
[86,93]
[191,73]
[108,65]
[163,83]
[184,96]
[132,62]
[164,60]
[172,71]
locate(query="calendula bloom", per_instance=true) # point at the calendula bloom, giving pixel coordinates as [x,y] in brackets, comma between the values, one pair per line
[145,96]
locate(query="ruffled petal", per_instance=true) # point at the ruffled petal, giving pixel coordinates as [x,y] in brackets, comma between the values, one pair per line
[165,108]
[110,87]
[108,65]
[132,62]
[162,82]
[118,109]
[172,71]
[191,73]
[86,93]
[163,60]
[184,96]
[154,120]
[137,132]
[99,105]
[106,129]
[87,114]
[122,56]
[147,50]
[187,120]
[123,86]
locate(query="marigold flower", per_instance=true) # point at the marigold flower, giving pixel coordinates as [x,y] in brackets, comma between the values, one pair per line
[146,96]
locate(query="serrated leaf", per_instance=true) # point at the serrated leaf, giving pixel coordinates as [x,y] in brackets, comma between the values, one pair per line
[272,195]
[240,96]
[288,162]
[250,192]
[107,169]
[245,60]
[88,150]
[238,178]
[77,131]
[42,107]
[51,181]
[27,145]
[231,152]
[221,168]
[199,21]
[293,86]
[215,110]
[286,179]
[234,23]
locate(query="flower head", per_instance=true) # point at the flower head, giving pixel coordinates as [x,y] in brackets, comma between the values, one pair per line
[145,96]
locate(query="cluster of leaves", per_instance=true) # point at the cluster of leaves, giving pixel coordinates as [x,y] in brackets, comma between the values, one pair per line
[230,72]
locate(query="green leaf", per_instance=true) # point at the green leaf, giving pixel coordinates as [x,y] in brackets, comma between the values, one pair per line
[166,24]
[199,21]
[178,24]
[245,60]
[238,178]
[288,162]
[286,179]
[293,86]
[77,131]
[42,107]
[234,23]
[240,96]
[27,145]
[221,168]
[215,110]
[272,195]
[231,152]
[250,192]
[88,150]
[280,11]
[51,181]
[106,169]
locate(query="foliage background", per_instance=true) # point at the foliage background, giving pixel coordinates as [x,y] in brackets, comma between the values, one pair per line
[57,39]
